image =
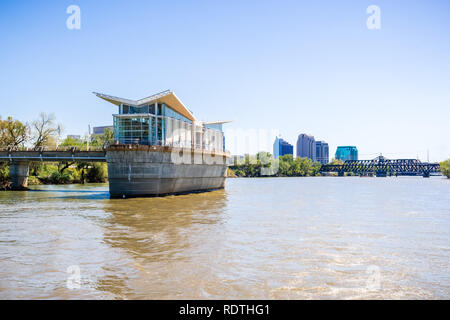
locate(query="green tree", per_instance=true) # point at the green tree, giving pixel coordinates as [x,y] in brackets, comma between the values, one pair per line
[97,172]
[337,161]
[315,169]
[13,133]
[102,140]
[284,164]
[445,168]
[71,142]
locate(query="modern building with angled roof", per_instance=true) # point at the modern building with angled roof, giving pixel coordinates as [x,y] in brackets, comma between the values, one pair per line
[162,119]
[161,148]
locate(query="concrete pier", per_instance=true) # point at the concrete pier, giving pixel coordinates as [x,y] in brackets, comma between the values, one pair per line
[381,173]
[18,172]
[136,171]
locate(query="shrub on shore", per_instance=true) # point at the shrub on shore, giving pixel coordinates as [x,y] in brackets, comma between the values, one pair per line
[4,171]
[4,176]
[60,178]
[97,173]
[445,168]
[33,180]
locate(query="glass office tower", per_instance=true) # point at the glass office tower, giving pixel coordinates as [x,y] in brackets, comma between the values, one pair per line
[345,153]
[306,147]
[322,152]
[281,148]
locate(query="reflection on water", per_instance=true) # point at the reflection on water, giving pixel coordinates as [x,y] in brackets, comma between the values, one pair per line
[163,236]
[259,238]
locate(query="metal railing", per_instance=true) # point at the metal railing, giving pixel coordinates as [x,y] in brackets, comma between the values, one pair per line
[59,148]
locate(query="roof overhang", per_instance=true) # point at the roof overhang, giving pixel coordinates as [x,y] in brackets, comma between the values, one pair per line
[217,122]
[168,97]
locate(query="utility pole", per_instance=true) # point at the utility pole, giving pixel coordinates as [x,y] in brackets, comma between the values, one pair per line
[428,155]
[88,137]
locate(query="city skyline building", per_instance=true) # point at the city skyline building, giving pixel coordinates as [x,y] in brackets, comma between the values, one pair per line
[345,153]
[306,146]
[101,129]
[282,147]
[74,136]
[322,152]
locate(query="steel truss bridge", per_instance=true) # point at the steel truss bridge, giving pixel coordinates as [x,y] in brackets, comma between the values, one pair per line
[382,167]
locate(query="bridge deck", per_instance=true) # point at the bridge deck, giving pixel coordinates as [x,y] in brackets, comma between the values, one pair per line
[88,156]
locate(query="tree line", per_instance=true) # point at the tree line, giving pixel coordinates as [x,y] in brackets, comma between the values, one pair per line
[16,135]
[263,164]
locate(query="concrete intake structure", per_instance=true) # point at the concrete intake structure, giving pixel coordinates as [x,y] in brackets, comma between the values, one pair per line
[161,148]
[137,171]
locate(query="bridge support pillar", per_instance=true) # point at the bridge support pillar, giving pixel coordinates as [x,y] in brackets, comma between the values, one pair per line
[340,173]
[18,173]
[381,173]
[426,174]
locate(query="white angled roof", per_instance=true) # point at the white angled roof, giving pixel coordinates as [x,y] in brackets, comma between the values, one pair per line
[168,97]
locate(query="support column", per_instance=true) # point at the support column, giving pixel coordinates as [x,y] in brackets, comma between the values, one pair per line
[381,173]
[18,173]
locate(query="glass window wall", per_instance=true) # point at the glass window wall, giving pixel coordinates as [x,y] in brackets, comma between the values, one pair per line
[169,129]
[131,130]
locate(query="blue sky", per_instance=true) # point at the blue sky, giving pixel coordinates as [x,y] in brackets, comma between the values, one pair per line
[296,66]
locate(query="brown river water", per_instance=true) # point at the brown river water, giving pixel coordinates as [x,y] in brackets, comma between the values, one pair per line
[267,238]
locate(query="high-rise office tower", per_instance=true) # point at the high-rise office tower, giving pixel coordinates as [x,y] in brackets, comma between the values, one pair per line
[322,152]
[306,147]
[282,147]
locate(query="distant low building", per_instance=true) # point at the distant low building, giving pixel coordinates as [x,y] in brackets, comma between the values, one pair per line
[236,159]
[322,152]
[74,136]
[101,129]
[282,147]
[306,147]
[345,153]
